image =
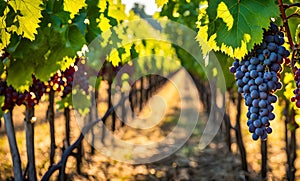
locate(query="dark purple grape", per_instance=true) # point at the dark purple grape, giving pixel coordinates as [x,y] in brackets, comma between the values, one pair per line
[264,120]
[255,136]
[272,46]
[259,131]
[266,53]
[232,69]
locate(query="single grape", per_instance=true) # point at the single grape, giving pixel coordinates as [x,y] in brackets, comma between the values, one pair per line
[272,46]
[273,57]
[257,123]
[232,69]
[259,81]
[255,136]
[264,120]
[253,73]
[259,131]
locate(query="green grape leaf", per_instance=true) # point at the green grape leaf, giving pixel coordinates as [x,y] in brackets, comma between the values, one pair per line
[234,27]
[28,17]
[51,64]
[19,75]
[73,6]
[59,19]
[55,37]
[75,38]
[14,42]
[46,68]
[2,7]
[92,14]
[79,21]
[21,50]
[55,6]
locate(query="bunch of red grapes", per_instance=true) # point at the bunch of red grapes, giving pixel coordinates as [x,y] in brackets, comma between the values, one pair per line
[62,81]
[29,98]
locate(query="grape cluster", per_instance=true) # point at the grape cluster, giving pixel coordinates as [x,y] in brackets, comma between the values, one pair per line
[29,98]
[38,88]
[55,82]
[62,81]
[68,74]
[258,77]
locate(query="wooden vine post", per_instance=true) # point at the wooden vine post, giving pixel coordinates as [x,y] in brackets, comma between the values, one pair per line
[50,118]
[10,132]
[29,130]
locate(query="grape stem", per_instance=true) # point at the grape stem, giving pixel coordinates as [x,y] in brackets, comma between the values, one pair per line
[286,6]
[287,30]
[293,15]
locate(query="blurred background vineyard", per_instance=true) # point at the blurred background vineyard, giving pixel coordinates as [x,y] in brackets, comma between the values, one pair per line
[232,155]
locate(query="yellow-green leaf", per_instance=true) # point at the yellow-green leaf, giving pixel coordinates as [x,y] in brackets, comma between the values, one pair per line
[160,3]
[114,58]
[73,6]
[224,13]
[28,17]
[104,23]
[4,35]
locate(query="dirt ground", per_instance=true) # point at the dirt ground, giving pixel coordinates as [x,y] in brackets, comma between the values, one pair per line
[188,163]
